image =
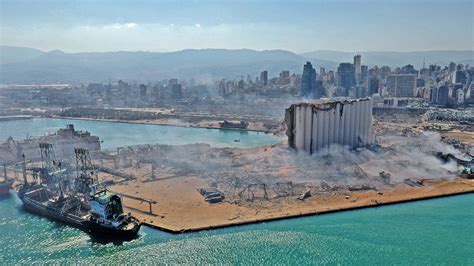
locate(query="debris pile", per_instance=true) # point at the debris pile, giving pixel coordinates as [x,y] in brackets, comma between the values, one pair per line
[305,195]
[451,115]
[211,195]
[413,182]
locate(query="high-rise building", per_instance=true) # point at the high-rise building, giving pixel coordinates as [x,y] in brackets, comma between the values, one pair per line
[285,74]
[175,89]
[461,95]
[264,78]
[143,90]
[123,87]
[408,69]
[470,94]
[373,85]
[330,76]
[285,77]
[443,95]
[345,77]
[385,71]
[434,95]
[357,68]
[364,74]
[322,73]
[308,81]
[401,85]
[460,77]
[452,66]
[420,82]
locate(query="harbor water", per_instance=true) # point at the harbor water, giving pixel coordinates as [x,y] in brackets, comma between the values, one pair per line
[437,231]
[114,134]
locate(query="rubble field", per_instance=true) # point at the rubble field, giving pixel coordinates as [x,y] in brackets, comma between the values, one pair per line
[196,186]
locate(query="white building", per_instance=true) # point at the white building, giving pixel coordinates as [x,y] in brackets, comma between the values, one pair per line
[313,126]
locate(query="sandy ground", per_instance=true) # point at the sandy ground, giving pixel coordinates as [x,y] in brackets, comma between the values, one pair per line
[464,137]
[180,207]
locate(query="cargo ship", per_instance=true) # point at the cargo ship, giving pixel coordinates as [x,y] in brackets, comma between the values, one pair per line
[83,203]
[234,124]
[101,215]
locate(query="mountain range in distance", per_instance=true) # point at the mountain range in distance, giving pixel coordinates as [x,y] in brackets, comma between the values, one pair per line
[19,65]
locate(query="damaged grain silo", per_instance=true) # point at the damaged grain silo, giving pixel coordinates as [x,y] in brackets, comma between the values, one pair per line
[312,126]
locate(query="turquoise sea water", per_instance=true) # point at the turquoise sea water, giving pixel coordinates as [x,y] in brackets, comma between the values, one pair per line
[125,134]
[438,231]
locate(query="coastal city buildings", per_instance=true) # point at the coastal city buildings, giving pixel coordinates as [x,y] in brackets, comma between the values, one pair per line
[401,85]
[448,86]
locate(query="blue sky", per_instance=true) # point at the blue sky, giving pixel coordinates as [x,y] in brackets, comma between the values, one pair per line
[299,26]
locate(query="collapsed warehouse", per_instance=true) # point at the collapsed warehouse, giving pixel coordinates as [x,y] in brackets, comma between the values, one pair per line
[64,141]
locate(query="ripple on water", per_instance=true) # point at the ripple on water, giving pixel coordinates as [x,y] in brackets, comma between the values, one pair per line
[434,231]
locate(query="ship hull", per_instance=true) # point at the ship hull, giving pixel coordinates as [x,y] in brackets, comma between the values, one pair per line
[110,232]
[35,207]
[40,209]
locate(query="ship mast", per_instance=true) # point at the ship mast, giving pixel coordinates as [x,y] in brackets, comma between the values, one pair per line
[5,173]
[23,164]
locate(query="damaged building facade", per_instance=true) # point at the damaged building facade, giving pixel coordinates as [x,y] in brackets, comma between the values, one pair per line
[313,126]
[65,140]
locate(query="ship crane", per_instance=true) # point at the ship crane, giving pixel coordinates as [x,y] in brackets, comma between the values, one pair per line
[48,159]
[50,171]
[86,172]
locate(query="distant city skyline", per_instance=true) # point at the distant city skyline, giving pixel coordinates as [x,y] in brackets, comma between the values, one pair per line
[297,26]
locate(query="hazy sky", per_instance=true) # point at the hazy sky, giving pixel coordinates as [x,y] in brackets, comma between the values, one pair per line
[299,26]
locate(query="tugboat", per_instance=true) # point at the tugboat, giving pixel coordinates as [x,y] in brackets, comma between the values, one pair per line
[78,204]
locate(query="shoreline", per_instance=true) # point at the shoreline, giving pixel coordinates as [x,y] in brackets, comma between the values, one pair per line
[154,122]
[189,212]
[305,214]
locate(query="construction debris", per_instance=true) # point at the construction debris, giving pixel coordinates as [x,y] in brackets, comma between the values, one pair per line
[211,195]
[254,191]
[362,188]
[468,173]
[305,195]
[413,182]
[385,177]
